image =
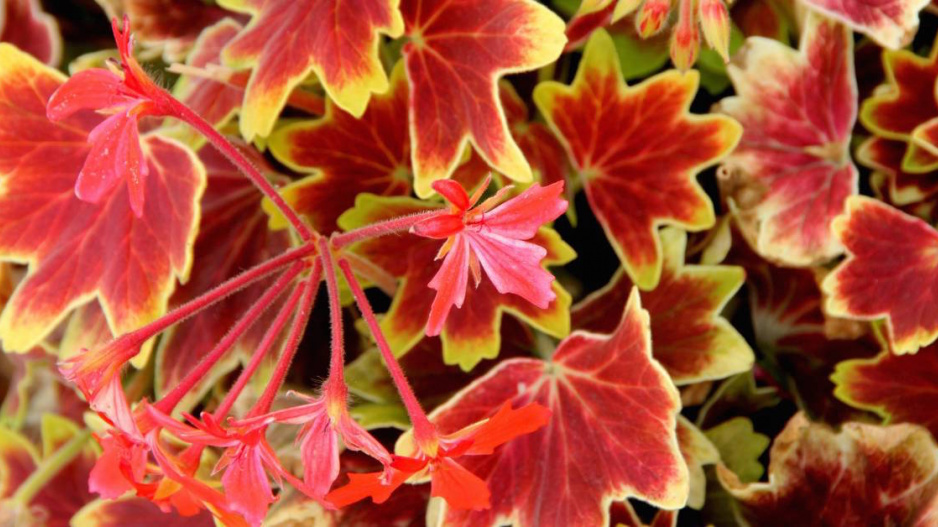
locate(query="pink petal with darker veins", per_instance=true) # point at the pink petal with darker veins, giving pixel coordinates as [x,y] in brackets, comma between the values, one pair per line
[246,485]
[320,453]
[514,266]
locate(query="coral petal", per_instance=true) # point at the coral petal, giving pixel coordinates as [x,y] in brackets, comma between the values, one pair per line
[363,486]
[506,425]
[460,488]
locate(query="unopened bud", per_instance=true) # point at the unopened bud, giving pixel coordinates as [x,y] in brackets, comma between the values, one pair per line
[685,45]
[652,16]
[715,22]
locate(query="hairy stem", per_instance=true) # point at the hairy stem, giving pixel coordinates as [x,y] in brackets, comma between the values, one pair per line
[167,403]
[292,344]
[382,228]
[218,293]
[267,342]
[337,349]
[182,112]
[423,428]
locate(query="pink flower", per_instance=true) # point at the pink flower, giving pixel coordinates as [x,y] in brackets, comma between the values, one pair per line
[127,96]
[492,238]
[324,422]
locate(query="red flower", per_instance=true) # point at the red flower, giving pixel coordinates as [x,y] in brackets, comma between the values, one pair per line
[324,422]
[449,480]
[491,238]
[125,97]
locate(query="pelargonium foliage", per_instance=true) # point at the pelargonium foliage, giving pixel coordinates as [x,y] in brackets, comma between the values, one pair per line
[468,262]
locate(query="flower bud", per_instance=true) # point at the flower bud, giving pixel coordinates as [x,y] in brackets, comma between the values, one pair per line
[685,40]
[715,22]
[652,16]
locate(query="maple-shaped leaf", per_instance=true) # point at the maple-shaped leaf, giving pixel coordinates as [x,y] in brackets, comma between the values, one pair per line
[347,156]
[611,433]
[740,447]
[622,514]
[36,387]
[216,102]
[802,343]
[912,193]
[59,498]
[901,388]
[792,171]
[889,273]
[905,107]
[697,451]
[764,18]
[457,51]
[891,23]
[540,147]
[863,475]
[233,236]
[6,283]
[470,333]
[432,380]
[170,27]
[24,24]
[638,151]
[737,395]
[287,40]
[77,250]
[689,337]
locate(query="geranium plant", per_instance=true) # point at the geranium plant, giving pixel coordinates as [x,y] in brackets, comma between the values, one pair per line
[468,262]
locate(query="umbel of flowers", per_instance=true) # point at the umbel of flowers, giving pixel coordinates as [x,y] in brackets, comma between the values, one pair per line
[477,236]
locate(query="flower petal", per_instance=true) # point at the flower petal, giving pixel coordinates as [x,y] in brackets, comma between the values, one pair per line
[460,488]
[521,216]
[453,193]
[246,485]
[129,162]
[320,453]
[440,226]
[107,478]
[361,486]
[514,266]
[450,284]
[357,438]
[91,89]
[506,425]
[101,172]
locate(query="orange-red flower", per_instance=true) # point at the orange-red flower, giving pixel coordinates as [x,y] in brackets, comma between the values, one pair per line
[448,479]
[490,237]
